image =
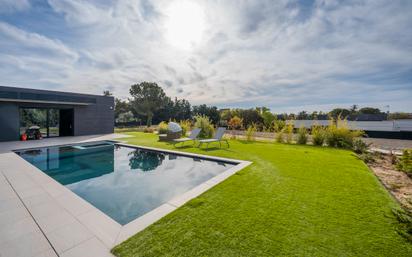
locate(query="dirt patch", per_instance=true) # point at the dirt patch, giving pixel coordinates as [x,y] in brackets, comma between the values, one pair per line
[397,182]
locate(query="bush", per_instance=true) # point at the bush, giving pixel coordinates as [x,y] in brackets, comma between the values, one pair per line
[250,132]
[318,135]
[235,123]
[302,136]
[339,135]
[405,161]
[148,130]
[278,125]
[289,132]
[279,136]
[367,157]
[186,126]
[405,223]
[359,146]
[203,122]
[162,127]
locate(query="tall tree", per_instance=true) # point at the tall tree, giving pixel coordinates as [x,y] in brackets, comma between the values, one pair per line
[353,109]
[147,98]
[120,107]
[210,111]
[303,115]
[343,113]
[369,110]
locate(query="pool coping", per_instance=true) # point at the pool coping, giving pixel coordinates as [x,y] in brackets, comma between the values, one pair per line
[100,225]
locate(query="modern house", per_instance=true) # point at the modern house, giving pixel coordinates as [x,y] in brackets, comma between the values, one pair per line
[55,113]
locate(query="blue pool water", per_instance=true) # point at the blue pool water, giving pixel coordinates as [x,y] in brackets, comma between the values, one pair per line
[123,182]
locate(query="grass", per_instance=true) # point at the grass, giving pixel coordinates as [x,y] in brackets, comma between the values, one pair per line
[292,201]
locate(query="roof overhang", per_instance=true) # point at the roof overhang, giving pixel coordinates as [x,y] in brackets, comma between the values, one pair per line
[42,102]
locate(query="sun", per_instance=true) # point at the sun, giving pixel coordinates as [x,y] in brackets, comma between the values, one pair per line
[185,24]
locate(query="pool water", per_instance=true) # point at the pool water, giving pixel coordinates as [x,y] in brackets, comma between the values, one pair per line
[123,182]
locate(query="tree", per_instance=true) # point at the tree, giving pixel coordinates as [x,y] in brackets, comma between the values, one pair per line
[125,117]
[399,116]
[120,107]
[313,115]
[369,110]
[268,118]
[343,113]
[226,114]
[148,97]
[303,115]
[250,116]
[210,111]
[353,109]
[107,93]
[181,110]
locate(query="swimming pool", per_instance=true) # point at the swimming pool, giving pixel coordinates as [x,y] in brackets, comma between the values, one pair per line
[123,182]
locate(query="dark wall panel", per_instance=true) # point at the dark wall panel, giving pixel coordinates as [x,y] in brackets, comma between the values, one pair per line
[9,122]
[96,118]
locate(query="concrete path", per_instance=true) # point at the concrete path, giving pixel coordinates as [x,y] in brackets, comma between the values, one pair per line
[37,215]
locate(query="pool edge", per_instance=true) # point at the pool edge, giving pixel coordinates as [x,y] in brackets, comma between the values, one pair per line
[103,227]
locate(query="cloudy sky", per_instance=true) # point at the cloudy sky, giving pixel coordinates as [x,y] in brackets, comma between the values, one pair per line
[287,55]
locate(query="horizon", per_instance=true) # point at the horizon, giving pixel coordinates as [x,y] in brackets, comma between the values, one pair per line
[286,55]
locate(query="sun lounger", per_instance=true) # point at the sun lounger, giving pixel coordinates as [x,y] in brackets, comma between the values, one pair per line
[217,138]
[192,137]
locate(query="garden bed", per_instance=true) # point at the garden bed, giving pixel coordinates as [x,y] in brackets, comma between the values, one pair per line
[398,183]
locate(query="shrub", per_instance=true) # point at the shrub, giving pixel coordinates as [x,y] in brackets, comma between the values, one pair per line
[289,132]
[367,157]
[318,135]
[162,127]
[279,136]
[235,123]
[148,130]
[186,126]
[339,135]
[405,223]
[278,125]
[203,122]
[302,136]
[250,132]
[359,146]
[405,161]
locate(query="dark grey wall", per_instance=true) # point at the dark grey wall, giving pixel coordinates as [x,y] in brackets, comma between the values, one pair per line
[96,118]
[9,121]
[92,119]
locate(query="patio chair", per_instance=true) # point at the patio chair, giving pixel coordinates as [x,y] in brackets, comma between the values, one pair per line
[192,137]
[217,138]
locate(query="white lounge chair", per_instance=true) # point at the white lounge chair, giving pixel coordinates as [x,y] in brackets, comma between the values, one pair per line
[192,137]
[217,138]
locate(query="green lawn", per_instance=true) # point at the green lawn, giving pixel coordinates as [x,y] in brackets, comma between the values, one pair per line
[292,201]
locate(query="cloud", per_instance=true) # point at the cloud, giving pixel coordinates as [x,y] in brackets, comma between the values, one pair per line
[281,54]
[9,6]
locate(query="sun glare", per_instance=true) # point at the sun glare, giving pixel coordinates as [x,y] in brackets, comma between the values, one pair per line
[185,24]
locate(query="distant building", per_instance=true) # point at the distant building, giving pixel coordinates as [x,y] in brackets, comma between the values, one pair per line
[368,117]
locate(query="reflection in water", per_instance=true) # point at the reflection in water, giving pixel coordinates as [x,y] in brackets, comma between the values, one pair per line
[145,160]
[123,182]
[69,165]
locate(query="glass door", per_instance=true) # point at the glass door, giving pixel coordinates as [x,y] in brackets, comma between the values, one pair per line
[39,122]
